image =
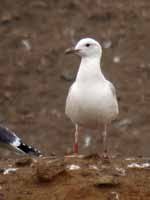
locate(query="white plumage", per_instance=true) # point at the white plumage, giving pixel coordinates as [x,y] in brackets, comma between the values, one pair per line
[91,99]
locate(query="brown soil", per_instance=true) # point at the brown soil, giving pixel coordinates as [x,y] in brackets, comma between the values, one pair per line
[48,178]
[35,76]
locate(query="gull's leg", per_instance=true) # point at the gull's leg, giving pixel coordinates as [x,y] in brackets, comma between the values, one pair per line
[104,138]
[75,146]
[105,153]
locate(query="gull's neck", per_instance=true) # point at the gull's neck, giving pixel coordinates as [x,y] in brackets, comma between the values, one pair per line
[90,70]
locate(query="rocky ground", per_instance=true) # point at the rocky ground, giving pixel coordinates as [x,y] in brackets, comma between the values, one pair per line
[75,177]
[35,76]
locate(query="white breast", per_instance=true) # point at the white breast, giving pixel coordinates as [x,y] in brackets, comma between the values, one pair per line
[90,104]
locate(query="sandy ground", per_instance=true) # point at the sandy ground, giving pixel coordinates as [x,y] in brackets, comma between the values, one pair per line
[35,76]
[70,178]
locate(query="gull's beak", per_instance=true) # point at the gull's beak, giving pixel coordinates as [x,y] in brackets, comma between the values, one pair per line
[71,50]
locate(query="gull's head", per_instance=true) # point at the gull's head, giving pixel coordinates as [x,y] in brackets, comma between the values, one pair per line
[86,47]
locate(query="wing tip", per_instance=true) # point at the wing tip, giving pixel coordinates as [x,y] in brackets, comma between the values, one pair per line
[27,149]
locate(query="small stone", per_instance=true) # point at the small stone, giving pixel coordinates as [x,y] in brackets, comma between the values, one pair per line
[47,171]
[73,167]
[124,123]
[113,196]
[94,156]
[8,95]
[116,59]
[10,170]
[26,44]
[56,113]
[53,154]
[24,162]
[107,44]
[106,181]
[6,17]
[67,76]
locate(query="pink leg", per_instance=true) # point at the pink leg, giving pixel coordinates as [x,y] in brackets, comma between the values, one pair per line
[75,147]
[104,138]
[105,153]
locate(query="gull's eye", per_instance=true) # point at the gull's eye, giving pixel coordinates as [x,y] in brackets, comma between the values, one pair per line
[87,45]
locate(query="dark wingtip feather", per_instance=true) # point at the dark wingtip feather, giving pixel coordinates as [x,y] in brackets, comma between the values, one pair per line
[11,139]
[28,149]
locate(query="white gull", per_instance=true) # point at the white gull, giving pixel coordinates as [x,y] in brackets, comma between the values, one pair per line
[91,100]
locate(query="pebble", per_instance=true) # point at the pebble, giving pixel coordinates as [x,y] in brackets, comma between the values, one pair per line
[106,180]
[22,162]
[47,171]
[116,59]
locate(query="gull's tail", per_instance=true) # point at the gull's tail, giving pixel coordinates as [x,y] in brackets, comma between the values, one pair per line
[10,139]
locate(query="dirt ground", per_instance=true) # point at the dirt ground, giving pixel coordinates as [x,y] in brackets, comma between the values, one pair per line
[70,178]
[35,76]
